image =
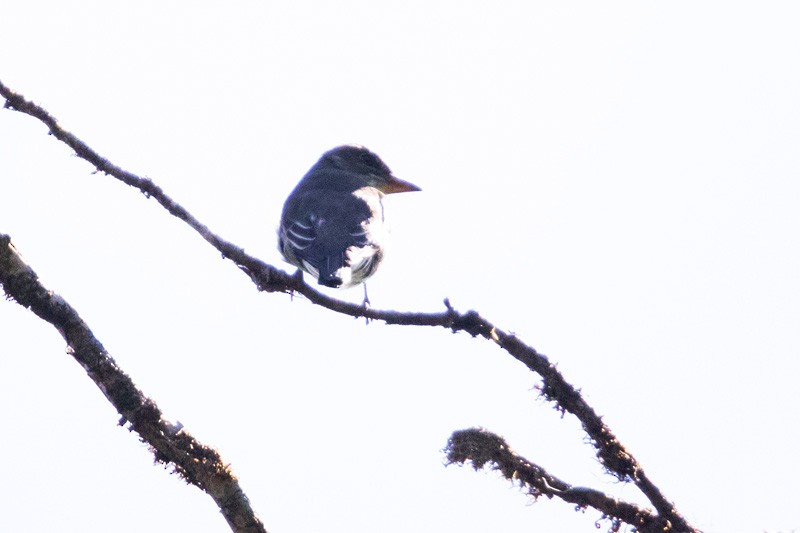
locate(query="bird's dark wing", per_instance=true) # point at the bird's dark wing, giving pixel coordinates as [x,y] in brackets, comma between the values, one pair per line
[320,229]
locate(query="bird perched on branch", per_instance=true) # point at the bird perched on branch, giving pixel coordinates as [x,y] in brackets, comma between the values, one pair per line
[332,224]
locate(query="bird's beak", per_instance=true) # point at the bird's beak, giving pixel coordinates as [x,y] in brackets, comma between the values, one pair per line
[394,185]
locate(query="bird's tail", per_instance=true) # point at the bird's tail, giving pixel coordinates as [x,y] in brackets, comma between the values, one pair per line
[332,270]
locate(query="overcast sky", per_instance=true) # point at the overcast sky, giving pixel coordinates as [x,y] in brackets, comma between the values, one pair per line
[618,183]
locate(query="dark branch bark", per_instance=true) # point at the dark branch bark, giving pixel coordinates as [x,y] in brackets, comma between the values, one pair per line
[195,462]
[611,453]
[481,447]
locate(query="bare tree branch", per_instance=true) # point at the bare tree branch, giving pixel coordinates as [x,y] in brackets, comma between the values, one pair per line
[481,447]
[195,462]
[611,453]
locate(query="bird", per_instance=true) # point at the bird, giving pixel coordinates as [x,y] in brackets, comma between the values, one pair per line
[333,225]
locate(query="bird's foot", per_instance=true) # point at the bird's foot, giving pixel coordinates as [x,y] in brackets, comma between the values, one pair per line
[366,303]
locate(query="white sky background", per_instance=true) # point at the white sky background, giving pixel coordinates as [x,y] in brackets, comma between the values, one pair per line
[618,184]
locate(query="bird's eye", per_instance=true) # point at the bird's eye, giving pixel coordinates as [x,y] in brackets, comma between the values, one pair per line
[369,159]
[374,163]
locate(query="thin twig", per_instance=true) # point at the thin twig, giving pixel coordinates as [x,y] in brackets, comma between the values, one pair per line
[481,447]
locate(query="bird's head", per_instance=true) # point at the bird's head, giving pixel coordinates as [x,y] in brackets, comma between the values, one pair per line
[360,161]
